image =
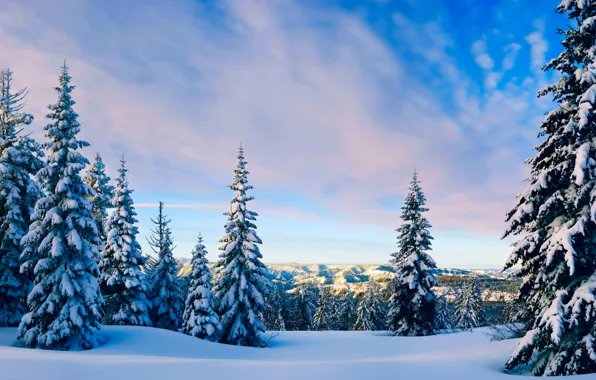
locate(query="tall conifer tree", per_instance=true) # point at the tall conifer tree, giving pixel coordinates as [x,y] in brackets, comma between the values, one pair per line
[122,280]
[555,217]
[200,319]
[19,161]
[167,295]
[348,311]
[323,318]
[412,304]
[444,313]
[61,246]
[469,308]
[306,297]
[369,313]
[241,278]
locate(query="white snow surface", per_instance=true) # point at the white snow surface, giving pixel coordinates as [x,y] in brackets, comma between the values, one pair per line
[146,353]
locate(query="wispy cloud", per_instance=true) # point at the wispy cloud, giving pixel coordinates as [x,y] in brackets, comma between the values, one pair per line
[511,51]
[323,104]
[538,47]
[481,56]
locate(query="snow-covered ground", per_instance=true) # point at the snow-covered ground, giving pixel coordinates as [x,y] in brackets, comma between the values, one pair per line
[147,353]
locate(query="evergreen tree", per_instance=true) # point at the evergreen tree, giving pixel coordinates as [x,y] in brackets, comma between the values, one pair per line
[200,319]
[348,311]
[369,313]
[19,160]
[272,306]
[381,307]
[101,200]
[555,218]
[322,320]
[62,243]
[412,304]
[469,308]
[364,320]
[276,307]
[280,324]
[336,312]
[444,312]
[164,281]
[305,307]
[122,281]
[241,280]
[286,313]
[514,312]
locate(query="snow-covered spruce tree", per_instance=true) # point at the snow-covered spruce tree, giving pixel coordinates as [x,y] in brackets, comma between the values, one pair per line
[276,308]
[469,308]
[166,291]
[305,306]
[364,319]
[286,311]
[272,304]
[555,216]
[241,278]
[101,200]
[381,308]
[62,243]
[19,161]
[444,312]
[322,319]
[122,281]
[348,311]
[412,304]
[200,319]
[336,309]
[281,310]
[369,311]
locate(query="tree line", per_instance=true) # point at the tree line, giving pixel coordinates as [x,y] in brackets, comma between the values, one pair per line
[308,307]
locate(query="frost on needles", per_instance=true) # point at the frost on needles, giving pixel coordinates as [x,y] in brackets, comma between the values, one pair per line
[555,216]
[122,280]
[241,281]
[19,161]
[412,304]
[61,246]
[200,319]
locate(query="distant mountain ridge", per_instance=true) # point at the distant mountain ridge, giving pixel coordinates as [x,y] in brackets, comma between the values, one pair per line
[343,274]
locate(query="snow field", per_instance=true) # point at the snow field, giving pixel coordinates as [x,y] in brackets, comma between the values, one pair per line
[150,353]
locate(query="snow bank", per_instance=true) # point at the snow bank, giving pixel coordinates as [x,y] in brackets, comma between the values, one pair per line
[150,353]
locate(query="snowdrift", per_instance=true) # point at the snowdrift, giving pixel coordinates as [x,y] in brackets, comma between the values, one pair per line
[132,353]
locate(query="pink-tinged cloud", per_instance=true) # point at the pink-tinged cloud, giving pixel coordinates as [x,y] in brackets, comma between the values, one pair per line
[316,108]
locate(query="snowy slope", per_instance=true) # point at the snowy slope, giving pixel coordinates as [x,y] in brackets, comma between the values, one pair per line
[149,353]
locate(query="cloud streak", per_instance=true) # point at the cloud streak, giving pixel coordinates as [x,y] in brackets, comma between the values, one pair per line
[324,106]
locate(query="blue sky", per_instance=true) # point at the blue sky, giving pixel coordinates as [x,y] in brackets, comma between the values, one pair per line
[336,103]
